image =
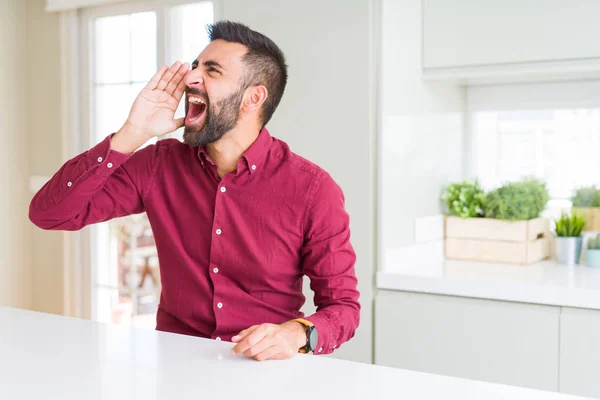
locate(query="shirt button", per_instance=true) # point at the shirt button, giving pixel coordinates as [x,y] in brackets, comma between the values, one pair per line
[320,349]
[69,184]
[334,346]
[254,168]
[216,270]
[223,190]
[220,305]
[100,159]
[218,338]
[218,231]
[109,165]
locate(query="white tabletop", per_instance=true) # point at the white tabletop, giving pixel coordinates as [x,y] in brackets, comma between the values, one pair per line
[44,356]
[422,268]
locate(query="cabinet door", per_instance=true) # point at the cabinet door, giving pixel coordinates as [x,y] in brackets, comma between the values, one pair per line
[471,33]
[580,352]
[502,342]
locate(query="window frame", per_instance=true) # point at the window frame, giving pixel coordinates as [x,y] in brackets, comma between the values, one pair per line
[80,297]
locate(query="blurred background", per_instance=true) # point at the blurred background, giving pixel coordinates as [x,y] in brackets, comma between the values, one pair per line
[440,120]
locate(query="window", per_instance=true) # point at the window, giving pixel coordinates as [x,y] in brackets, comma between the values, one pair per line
[519,131]
[124,46]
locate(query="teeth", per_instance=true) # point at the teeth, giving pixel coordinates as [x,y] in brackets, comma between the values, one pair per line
[196,100]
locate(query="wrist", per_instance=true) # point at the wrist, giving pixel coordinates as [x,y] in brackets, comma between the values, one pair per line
[299,333]
[128,139]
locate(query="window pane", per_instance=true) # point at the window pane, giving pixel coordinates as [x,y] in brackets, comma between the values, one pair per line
[560,146]
[188,38]
[113,103]
[112,49]
[188,30]
[143,46]
[115,307]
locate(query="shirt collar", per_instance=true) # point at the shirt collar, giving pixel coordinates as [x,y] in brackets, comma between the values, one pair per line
[254,156]
[257,152]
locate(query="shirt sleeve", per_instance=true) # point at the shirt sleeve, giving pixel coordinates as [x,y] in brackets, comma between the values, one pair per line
[97,185]
[328,260]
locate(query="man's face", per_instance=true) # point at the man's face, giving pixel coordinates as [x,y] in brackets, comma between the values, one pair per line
[214,93]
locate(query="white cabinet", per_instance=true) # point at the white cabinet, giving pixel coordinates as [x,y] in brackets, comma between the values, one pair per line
[580,352]
[507,35]
[494,341]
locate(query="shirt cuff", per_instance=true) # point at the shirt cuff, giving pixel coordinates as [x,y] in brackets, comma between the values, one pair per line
[102,160]
[324,344]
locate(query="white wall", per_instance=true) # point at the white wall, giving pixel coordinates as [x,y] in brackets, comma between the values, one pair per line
[421,129]
[45,148]
[326,114]
[15,231]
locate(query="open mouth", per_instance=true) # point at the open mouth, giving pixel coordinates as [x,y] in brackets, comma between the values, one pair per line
[196,109]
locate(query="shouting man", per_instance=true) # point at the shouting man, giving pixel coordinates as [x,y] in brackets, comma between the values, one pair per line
[237,217]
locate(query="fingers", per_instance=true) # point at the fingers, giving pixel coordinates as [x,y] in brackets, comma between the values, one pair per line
[177,79]
[265,343]
[244,333]
[279,355]
[269,354]
[156,78]
[251,340]
[167,76]
[178,93]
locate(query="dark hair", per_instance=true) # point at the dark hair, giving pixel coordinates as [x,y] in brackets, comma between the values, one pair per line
[264,60]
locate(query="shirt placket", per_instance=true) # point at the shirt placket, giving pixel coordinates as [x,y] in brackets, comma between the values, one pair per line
[220,234]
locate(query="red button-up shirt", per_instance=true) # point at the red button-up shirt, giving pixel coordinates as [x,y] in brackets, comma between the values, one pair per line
[232,251]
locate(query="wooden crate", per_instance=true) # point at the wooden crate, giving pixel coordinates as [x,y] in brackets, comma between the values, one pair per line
[486,239]
[591,215]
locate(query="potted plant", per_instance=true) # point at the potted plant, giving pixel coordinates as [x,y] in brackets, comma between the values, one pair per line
[593,252]
[586,201]
[568,232]
[464,199]
[511,230]
[517,201]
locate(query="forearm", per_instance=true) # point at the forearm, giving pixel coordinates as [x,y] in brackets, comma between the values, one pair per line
[65,202]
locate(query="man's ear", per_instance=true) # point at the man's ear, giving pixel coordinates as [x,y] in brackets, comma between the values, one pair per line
[255,97]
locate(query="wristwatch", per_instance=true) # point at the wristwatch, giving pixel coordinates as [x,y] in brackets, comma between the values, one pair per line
[312,336]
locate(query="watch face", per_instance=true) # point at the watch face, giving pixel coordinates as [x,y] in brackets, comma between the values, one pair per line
[313,338]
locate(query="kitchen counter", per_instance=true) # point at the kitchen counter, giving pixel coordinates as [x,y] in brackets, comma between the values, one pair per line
[45,356]
[422,268]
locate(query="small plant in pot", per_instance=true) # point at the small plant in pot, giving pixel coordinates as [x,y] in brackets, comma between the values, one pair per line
[586,201]
[464,199]
[517,201]
[593,252]
[568,232]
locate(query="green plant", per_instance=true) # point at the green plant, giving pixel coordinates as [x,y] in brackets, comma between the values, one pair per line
[516,201]
[464,199]
[569,225]
[594,243]
[586,197]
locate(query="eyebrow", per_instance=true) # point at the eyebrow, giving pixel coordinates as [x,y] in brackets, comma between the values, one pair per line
[208,63]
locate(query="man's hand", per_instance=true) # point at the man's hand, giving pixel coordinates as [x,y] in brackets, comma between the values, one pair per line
[270,341]
[153,111]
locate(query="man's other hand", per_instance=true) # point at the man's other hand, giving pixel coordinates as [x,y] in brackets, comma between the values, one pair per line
[270,341]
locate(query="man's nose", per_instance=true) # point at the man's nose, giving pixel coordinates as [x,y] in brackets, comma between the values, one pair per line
[194,78]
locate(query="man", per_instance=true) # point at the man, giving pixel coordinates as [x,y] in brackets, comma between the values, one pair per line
[237,217]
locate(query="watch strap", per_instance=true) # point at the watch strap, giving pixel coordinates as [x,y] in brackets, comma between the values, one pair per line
[307,324]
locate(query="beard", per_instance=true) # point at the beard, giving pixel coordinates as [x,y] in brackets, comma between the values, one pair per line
[221,117]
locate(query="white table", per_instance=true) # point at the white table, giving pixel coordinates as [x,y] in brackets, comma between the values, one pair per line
[50,357]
